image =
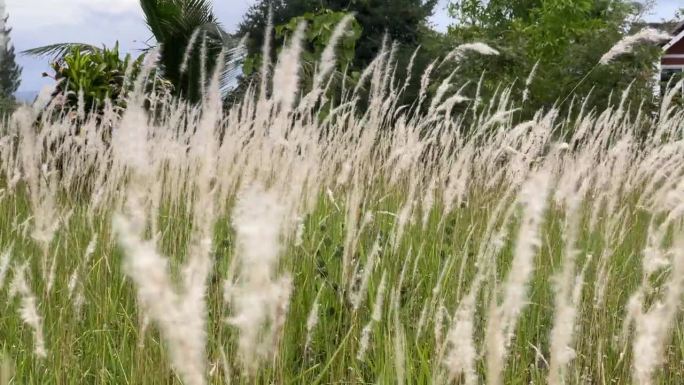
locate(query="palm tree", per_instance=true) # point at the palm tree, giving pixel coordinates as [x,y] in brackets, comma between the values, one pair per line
[189,38]
[189,26]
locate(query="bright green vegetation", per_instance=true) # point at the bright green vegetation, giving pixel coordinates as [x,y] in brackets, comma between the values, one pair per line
[335,223]
[103,344]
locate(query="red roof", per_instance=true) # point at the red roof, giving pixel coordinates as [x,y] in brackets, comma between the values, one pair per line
[676,45]
[674,49]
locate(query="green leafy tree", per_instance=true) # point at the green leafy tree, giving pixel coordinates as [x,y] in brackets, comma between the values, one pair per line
[564,39]
[10,72]
[320,28]
[401,20]
[319,32]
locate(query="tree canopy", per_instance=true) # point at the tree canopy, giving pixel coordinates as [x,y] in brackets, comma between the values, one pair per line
[401,20]
[563,40]
[10,72]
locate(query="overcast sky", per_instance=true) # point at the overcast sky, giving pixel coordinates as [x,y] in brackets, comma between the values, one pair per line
[41,22]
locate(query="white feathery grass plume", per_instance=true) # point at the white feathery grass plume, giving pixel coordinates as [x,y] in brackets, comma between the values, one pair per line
[653,327]
[376,317]
[399,339]
[312,320]
[353,205]
[462,356]
[369,71]
[179,310]
[188,50]
[357,297]
[425,81]
[428,201]
[462,50]
[76,286]
[389,77]
[422,319]
[299,234]
[42,184]
[266,55]
[627,44]
[567,304]
[441,91]
[328,59]
[182,330]
[666,108]
[259,299]
[29,309]
[286,74]
[503,318]
[448,105]
[404,217]
[130,146]
[438,327]
[5,261]
[203,63]
[197,269]
[46,221]
[529,80]
[80,112]
[378,94]
[409,70]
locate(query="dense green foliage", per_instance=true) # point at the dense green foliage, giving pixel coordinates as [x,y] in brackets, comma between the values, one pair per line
[403,22]
[89,79]
[399,19]
[319,30]
[565,38]
[562,41]
[94,76]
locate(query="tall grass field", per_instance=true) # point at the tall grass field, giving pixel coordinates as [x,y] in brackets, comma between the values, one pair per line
[312,236]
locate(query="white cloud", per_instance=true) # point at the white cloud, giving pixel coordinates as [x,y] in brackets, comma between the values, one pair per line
[36,14]
[110,6]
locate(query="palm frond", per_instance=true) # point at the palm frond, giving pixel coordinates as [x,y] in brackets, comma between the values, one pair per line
[56,51]
[157,15]
[176,24]
[168,19]
[196,12]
